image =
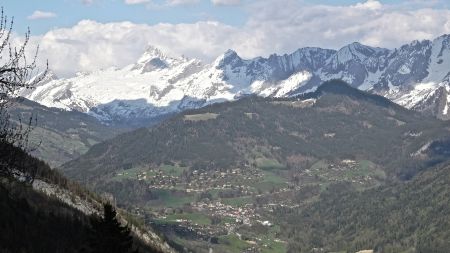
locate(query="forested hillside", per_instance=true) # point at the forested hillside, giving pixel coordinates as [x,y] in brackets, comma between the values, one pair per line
[335,122]
[37,219]
[271,162]
[407,217]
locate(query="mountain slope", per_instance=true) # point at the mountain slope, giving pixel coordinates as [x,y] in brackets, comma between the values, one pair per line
[408,217]
[58,135]
[335,122]
[219,173]
[53,214]
[414,75]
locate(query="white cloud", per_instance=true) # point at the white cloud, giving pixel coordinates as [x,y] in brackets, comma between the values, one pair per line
[136,1]
[273,27]
[90,45]
[283,26]
[181,2]
[41,15]
[226,2]
[369,5]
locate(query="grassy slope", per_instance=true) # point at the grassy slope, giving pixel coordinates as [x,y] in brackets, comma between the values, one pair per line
[61,135]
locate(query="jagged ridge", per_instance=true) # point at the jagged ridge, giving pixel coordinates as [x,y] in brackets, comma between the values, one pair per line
[159,84]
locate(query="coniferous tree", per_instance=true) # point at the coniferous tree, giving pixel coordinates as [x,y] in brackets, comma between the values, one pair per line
[109,236]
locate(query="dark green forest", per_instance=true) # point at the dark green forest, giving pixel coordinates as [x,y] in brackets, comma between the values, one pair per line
[31,221]
[407,217]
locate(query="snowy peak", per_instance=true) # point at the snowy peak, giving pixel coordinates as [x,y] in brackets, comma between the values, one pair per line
[230,57]
[310,58]
[406,66]
[152,53]
[416,75]
[443,42]
[154,59]
[46,76]
[439,59]
[356,53]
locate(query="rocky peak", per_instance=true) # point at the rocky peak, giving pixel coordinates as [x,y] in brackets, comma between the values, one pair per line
[155,59]
[152,53]
[397,74]
[230,57]
[357,52]
[46,76]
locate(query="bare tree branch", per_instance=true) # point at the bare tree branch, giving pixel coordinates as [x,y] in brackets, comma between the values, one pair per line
[16,75]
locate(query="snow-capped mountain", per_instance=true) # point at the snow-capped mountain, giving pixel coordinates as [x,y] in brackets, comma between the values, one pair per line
[415,75]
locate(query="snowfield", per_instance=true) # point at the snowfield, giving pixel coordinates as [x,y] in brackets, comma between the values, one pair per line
[415,76]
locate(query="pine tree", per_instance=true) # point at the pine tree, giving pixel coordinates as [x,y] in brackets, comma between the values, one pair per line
[109,236]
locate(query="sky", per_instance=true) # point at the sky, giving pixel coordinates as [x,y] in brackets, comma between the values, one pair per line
[87,35]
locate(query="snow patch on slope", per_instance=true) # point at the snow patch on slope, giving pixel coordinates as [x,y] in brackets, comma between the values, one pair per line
[282,88]
[420,91]
[292,83]
[371,80]
[438,67]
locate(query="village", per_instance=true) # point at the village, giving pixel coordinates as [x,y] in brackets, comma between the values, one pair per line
[176,178]
[220,203]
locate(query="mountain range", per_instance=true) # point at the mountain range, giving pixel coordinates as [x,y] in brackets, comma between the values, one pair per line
[314,126]
[415,75]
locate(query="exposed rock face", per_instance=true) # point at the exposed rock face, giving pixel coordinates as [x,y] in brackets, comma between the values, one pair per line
[415,75]
[90,207]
